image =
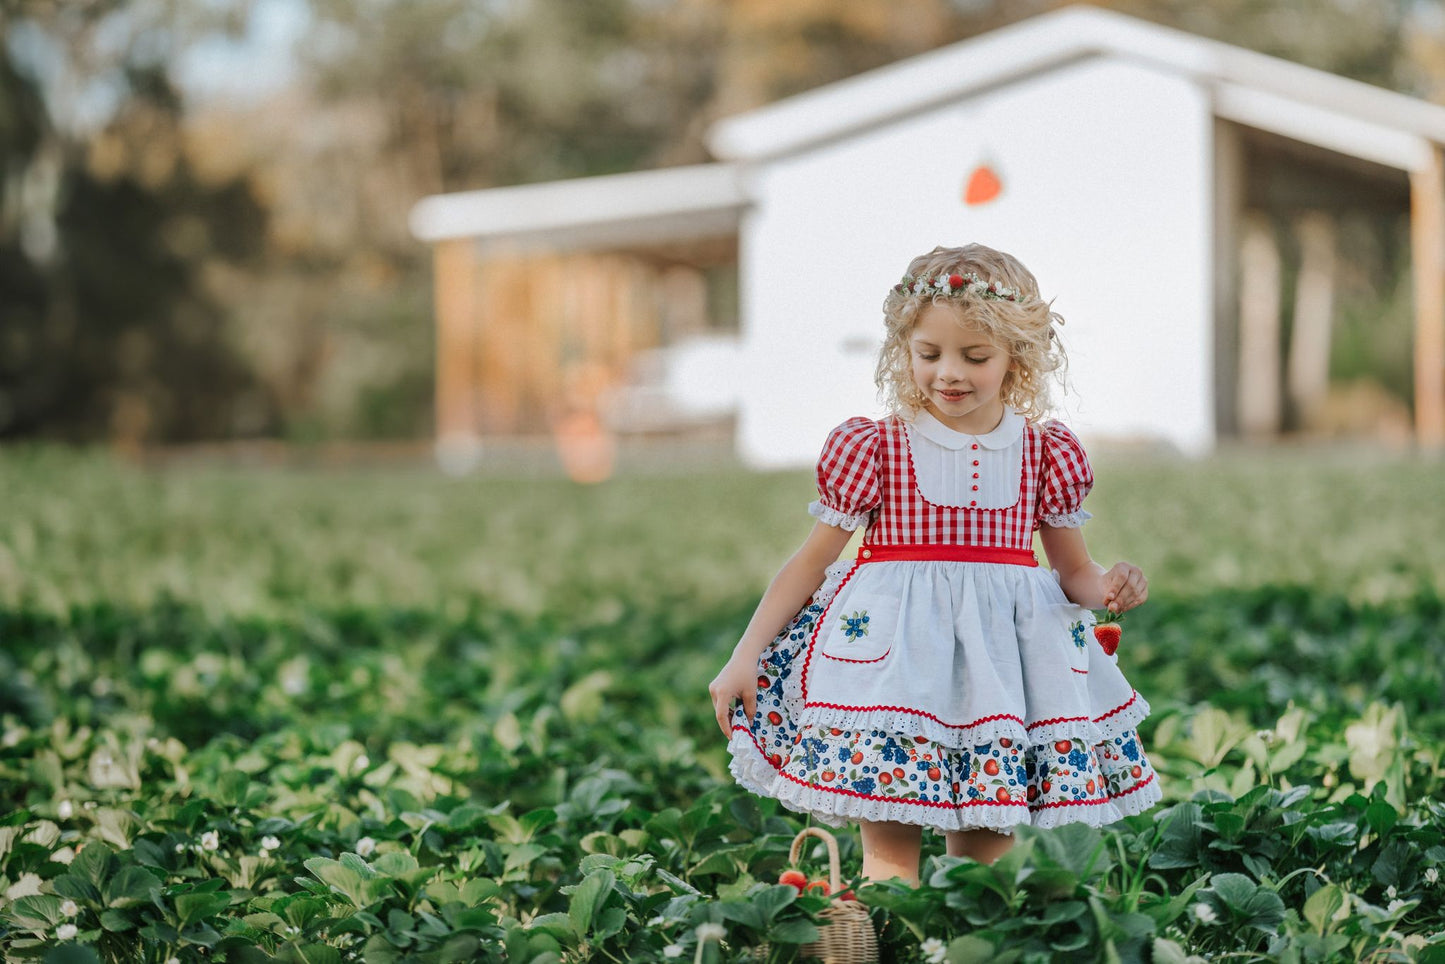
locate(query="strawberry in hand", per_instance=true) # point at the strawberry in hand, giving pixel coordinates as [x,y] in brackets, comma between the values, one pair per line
[1108,632]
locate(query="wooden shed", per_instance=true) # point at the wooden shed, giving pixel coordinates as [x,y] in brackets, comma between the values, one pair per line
[1136,169]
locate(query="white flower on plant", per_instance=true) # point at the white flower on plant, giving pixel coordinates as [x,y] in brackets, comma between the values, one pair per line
[1432,876]
[673,950]
[658,921]
[66,932]
[269,842]
[361,763]
[710,932]
[1205,914]
[365,847]
[69,908]
[1395,905]
[180,848]
[1391,892]
[65,810]
[211,840]
[173,960]
[64,855]
[934,950]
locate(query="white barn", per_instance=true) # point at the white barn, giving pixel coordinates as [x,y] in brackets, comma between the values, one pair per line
[1126,159]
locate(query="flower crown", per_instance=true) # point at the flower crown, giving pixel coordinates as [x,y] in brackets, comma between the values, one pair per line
[952,284]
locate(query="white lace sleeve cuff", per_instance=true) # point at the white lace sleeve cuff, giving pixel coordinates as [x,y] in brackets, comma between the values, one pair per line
[833,517]
[1068,520]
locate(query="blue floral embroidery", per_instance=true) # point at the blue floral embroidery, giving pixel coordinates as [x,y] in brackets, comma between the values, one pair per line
[857,625]
[1077,631]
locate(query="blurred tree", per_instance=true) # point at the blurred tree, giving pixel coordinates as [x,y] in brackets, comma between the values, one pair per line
[108,330]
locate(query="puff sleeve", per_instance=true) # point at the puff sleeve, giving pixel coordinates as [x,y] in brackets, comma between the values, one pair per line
[848,475]
[1067,478]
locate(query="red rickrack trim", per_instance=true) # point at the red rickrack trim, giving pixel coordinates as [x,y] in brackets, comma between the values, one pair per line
[905,709]
[1081,672]
[844,659]
[1125,705]
[1092,803]
[1057,719]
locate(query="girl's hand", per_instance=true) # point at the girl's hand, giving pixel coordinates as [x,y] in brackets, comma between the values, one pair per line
[1124,587]
[737,680]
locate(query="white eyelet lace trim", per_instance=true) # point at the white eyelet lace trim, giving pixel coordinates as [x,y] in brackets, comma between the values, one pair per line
[1068,520]
[832,517]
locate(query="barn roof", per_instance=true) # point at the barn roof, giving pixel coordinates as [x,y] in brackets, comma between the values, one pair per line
[706,200]
[676,203]
[1250,88]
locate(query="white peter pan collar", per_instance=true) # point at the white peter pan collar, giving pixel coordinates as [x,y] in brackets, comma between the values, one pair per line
[1009,429]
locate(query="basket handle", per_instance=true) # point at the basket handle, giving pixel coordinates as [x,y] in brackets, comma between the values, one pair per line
[834,880]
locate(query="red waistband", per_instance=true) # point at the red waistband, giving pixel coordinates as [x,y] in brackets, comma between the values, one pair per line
[901,553]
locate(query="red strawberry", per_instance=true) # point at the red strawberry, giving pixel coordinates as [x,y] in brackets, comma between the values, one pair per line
[762,682]
[857,757]
[828,776]
[1063,746]
[794,878]
[847,895]
[885,778]
[899,772]
[1089,787]
[819,887]
[934,773]
[1033,793]
[1108,635]
[1003,795]
[990,767]
[836,732]
[1047,786]
[920,739]
[775,718]
[1005,742]
[1134,772]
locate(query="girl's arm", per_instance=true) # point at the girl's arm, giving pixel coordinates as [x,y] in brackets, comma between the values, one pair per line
[794,584]
[1087,583]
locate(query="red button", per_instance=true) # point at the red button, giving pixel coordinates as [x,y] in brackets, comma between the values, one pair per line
[975,461]
[975,445]
[975,475]
[975,488]
[973,503]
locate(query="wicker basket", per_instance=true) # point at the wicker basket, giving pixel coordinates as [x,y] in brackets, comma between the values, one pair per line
[847,937]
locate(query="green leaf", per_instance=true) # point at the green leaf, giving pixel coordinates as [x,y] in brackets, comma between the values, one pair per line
[194,907]
[1322,906]
[71,953]
[1381,816]
[132,887]
[1246,903]
[793,932]
[970,950]
[589,898]
[771,900]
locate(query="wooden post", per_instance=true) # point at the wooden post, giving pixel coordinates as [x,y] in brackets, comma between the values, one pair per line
[1427,237]
[1259,335]
[454,278]
[1314,308]
[1229,199]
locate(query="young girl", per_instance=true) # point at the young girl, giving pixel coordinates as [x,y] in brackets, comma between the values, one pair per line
[942,679]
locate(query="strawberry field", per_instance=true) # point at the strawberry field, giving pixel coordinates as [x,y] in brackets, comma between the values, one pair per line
[265,715]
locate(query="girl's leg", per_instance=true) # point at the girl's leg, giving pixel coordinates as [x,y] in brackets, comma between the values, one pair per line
[891,850]
[985,846]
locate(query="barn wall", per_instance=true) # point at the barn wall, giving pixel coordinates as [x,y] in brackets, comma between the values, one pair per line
[1106,172]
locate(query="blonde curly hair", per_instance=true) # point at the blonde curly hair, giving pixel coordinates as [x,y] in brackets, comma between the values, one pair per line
[1023,323]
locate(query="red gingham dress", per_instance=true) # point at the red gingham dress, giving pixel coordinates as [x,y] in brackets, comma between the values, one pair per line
[946,692]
